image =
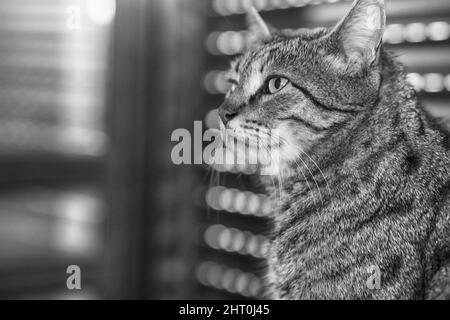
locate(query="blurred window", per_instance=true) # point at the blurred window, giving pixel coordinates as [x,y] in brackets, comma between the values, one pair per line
[53,62]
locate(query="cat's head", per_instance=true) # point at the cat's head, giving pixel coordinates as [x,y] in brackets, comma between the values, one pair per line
[296,87]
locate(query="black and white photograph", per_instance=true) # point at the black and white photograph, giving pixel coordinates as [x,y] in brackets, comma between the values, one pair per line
[244,151]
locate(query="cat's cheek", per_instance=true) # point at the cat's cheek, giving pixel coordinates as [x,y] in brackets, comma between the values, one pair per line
[288,143]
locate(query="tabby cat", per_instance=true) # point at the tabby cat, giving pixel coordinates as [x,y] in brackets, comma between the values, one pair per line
[362,193]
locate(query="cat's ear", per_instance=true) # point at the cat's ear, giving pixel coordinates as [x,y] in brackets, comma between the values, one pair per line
[360,32]
[259,30]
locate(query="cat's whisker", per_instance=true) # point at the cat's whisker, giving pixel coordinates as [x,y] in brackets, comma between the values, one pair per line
[280,138]
[303,174]
[321,172]
[312,175]
[214,180]
[306,180]
[273,181]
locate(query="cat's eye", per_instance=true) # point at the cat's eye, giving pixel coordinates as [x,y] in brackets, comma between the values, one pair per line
[275,84]
[230,90]
[232,84]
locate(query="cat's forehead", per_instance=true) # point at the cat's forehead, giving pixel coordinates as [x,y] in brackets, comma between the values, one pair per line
[253,60]
[248,72]
[261,56]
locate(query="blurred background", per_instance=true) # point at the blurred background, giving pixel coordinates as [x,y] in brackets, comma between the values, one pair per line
[90,92]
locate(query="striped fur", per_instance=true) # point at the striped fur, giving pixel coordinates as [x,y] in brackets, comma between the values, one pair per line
[364,176]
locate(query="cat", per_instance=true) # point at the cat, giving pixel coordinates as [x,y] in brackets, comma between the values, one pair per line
[362,190]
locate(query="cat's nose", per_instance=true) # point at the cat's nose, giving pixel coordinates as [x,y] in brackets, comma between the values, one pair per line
[226,115]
